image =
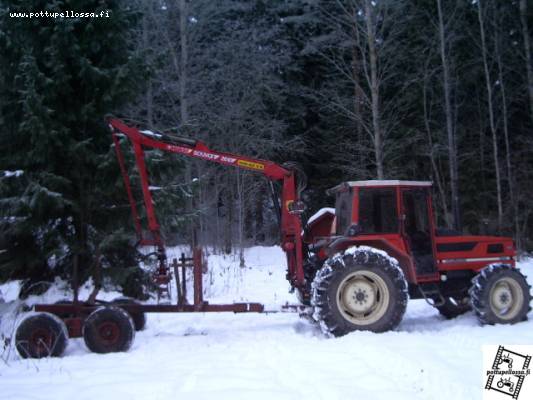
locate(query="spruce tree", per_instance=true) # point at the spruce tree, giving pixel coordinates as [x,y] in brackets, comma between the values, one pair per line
[59,77]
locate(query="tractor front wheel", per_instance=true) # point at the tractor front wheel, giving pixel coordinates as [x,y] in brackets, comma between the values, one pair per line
[41,335]
[108,330]
[360,289]
[500,295]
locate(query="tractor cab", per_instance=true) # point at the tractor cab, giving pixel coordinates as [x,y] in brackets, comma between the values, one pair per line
[397,217]
[398,212]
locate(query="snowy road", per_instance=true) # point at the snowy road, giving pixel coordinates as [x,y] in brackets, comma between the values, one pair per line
[273,356]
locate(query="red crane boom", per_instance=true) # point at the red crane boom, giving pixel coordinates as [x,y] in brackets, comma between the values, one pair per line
[291,206]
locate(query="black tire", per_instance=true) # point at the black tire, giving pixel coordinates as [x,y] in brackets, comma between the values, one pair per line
[41,335]
[139,318]
[500,295]
[452,307]
[108,330]
[311,267]
[356,270]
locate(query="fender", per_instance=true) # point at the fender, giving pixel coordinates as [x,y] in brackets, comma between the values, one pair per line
[392,246]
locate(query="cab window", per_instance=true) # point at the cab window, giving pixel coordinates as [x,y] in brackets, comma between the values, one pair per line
[378,210]
[343,211]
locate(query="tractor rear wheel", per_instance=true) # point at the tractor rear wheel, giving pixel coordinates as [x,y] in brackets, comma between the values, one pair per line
[139,318]
[108,330]
[41,335]
[359,289]
[500,295]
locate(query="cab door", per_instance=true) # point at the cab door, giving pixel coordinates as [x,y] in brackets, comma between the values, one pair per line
[417,229]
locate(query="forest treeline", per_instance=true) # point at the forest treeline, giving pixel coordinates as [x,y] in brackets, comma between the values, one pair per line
[438,90]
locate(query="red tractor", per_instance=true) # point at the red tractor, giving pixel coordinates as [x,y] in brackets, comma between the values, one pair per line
[380,247]
[354,267]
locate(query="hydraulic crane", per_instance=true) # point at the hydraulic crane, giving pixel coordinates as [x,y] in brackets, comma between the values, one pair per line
[291,178]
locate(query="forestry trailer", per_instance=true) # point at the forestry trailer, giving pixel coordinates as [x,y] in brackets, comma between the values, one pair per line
[353,267]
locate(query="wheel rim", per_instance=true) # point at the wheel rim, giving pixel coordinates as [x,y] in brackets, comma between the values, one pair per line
[41,341]
[363,297]
[506,298]
[109,333]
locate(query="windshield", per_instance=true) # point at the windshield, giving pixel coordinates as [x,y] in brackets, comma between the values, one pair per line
[343,211]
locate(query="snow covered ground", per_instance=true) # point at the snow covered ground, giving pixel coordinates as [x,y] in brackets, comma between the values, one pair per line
[266,356]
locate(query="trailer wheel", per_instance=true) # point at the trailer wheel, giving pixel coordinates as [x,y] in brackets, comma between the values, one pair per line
[139,318]
[41,335]
[500,295]
[453,307]
[108,330]
[360,289]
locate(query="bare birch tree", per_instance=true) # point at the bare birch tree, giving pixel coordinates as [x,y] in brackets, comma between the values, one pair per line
[364,53]
[450,130]
[490,109]
[505,122]
[432,146]
[527,52]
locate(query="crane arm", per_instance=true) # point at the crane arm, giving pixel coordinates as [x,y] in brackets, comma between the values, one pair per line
[291,206]
[198,149]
